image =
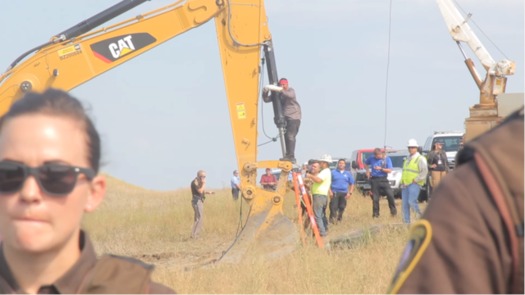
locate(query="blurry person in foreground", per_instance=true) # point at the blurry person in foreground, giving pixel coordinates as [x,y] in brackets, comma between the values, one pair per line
[470,239]
[49,163]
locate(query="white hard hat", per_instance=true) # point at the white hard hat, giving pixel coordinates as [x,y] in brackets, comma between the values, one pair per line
[412,143]
[325,158]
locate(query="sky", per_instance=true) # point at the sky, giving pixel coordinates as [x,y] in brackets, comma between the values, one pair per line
[163,115]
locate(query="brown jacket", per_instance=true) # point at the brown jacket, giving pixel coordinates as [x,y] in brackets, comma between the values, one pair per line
[462,244]
[109,274]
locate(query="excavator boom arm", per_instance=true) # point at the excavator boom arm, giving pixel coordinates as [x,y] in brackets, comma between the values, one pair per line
[78,55]
[461,31]
[74,61]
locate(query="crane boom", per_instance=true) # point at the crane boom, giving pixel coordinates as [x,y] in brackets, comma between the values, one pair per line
[461,31]
[484,115]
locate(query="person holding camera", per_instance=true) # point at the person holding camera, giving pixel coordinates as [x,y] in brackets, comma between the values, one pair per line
[198,192]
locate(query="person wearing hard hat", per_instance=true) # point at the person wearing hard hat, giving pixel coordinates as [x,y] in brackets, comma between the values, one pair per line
[414,176]
[320,189]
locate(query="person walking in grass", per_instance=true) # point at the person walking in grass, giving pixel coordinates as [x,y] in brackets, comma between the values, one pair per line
[198,192]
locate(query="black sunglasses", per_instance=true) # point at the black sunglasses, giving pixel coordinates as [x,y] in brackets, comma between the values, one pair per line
[54,179]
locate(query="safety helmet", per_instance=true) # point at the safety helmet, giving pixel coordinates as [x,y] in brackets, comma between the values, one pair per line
[412,143]
[325,158]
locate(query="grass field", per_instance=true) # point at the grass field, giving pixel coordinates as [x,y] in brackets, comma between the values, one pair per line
[155,227]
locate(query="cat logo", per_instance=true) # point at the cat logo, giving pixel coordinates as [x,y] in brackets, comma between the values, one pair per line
[121,47]
[112,49]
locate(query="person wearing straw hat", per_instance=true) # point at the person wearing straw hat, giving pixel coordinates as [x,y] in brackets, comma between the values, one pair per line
[320,189]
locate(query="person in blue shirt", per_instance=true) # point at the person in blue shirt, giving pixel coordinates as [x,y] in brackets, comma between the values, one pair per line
[341,189]
[235,184]
[377,169]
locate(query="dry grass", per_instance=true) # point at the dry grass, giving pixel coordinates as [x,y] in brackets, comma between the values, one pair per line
[155,227]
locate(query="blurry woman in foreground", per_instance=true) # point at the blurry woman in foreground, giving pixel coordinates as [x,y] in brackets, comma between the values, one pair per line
[49,163]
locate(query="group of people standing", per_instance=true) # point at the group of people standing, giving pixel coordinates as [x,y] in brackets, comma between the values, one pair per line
[329,188]
[332,188]
[415,171]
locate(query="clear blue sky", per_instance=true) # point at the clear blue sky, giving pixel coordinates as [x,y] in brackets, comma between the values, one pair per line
[164,115]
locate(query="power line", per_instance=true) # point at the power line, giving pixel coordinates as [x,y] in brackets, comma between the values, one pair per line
[387,71]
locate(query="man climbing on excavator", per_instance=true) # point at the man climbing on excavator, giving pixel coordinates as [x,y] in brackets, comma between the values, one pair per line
[291,112]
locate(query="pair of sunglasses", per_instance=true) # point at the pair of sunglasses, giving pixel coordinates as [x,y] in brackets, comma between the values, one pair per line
[54,179]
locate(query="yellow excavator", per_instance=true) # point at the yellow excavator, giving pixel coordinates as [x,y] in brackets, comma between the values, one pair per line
[82,52]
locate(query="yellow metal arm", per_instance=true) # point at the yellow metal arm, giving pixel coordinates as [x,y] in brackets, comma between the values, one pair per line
[242,30]
[67,64]
[242,33]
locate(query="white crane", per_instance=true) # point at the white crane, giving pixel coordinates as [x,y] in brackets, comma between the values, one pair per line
[484,115]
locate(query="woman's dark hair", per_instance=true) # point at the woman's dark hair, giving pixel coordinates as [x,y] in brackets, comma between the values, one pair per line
[58,103]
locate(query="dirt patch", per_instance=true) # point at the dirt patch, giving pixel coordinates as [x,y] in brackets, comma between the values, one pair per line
[187,255]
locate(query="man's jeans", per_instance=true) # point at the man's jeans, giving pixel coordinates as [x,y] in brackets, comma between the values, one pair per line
[409,196]
[198,210]
[320,202]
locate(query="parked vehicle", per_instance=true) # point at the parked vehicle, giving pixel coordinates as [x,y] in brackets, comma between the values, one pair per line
[358,169]
[359,156]
[394,177]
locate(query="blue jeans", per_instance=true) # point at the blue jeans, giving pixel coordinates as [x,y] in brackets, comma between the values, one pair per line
[320,202]
[409,196]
